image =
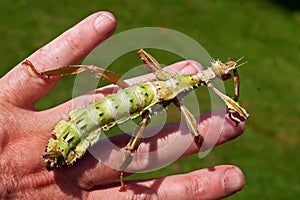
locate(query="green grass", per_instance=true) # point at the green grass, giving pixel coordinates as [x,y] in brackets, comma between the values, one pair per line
[267,34]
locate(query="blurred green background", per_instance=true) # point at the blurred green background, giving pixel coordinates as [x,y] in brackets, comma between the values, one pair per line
[265,32]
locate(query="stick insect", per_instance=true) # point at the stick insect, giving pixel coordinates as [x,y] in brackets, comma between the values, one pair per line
[72,137]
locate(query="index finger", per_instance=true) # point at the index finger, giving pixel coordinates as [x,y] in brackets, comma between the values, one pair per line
[23,86]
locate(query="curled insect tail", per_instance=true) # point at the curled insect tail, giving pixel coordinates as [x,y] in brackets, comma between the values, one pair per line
[53,157]
[62,150]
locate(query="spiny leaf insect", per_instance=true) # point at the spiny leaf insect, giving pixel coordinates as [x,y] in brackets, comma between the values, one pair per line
[84,127]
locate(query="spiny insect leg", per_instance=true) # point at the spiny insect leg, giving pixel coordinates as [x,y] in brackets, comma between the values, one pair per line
[133,145]
[152,65]
[107,75]
[190,120]
[235,110]
[76,69]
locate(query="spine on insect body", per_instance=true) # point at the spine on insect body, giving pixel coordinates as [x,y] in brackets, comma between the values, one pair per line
[74,136]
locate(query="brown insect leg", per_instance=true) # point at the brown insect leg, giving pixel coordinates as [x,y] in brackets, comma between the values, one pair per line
[190,120]
[40,74]
[236,112]
[133,145]
[152,65]
[76,69]
[236,80]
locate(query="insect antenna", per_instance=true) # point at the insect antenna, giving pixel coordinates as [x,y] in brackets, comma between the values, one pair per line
[238,60]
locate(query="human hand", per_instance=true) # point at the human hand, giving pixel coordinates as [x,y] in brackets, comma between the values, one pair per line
[24,133]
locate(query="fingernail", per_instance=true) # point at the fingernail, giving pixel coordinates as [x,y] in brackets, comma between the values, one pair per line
[105,23]
[233,180]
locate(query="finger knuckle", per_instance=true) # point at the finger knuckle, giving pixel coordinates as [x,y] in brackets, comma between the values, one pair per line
[73,43]
[146,195]
[194,187]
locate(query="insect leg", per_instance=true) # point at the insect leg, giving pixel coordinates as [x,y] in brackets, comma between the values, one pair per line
[236,79]
[28,63]
[133,145]
[152,65]
[99,72]
[76,69]
[236,112]
[190,120]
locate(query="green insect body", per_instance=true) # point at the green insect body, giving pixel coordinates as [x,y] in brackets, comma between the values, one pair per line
[83,127]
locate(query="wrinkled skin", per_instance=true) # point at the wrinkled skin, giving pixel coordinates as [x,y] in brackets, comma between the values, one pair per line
[24,133]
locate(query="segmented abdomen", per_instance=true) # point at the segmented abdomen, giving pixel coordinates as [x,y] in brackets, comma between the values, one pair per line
[84,127]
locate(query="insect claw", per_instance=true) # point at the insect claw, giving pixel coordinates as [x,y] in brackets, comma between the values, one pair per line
[234,120]
[235,117]
[199,139]
[123,187]
[40,74]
